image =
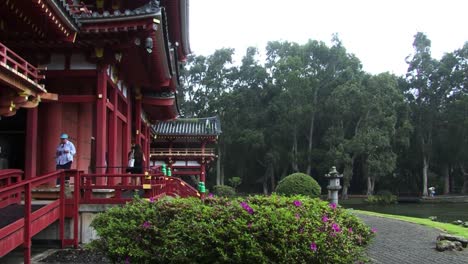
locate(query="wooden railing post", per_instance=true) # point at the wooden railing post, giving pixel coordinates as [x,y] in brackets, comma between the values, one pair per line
[27,223]
[62,210]
[76,207]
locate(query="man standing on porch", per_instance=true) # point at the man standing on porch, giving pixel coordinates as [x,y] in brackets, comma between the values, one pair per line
[64,155]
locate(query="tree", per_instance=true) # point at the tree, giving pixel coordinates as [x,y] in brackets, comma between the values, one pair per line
[424,99]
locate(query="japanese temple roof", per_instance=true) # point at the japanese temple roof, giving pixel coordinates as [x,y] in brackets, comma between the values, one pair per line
[149,10]
[210,126]
[63,9]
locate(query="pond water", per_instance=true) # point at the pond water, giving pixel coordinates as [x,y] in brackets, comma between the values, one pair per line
[445,212]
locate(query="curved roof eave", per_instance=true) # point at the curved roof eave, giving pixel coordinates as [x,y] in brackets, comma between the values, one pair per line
[184,14]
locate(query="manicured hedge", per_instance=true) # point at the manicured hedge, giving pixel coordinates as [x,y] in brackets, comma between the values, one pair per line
[257,229]
[298,183]
[224,191]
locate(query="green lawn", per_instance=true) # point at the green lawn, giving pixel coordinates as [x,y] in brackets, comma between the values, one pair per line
[449,228]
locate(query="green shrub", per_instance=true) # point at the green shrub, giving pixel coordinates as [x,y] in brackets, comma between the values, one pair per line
[224,191]
[298,183]
[256,229]
[234,182]
[382,197]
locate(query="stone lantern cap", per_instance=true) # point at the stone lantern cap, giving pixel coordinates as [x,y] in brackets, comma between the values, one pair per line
[333,174]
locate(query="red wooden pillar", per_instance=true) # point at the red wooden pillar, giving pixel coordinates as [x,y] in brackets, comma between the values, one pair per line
[147,144]
[126,136]
[51,124]
[203,162]
[101,122]
[138,121]
[112,155]
[31,144]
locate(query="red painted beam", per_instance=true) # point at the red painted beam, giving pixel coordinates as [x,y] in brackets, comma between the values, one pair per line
[158,101]
[77,98]
[70,73]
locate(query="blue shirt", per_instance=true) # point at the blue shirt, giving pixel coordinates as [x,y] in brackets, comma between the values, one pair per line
[61,156]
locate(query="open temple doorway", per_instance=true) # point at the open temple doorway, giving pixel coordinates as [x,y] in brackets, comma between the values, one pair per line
[13,140]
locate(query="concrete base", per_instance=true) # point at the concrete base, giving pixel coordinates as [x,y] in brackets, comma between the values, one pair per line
[87,214]
[52,193]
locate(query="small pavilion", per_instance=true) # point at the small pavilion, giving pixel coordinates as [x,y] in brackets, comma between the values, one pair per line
[186,146]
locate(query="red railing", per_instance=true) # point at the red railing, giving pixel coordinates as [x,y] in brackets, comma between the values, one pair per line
[7,178]
[14,61]
[120,188]
[177,187]
[21,231]
[86,190]
[112,188]
[182,152]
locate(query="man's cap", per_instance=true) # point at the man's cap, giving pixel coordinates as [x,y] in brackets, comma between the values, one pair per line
[64,136]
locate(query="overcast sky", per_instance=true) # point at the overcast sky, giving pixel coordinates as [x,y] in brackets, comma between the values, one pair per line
[379,32]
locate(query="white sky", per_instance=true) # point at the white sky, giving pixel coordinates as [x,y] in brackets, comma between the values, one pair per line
[379,32]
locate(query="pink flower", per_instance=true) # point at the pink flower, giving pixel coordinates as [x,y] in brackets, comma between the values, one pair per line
[324,219]
[151,199]
[249,225]
[210,195]
[374,230]
[298,216]
[332,206]
[350,230]
[336,227]
[146,225]
[313,246]
[247,207]
[297,203]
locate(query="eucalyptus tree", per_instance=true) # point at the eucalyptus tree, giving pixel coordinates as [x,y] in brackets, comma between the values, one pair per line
[455,75]
[424,100]
[365,119]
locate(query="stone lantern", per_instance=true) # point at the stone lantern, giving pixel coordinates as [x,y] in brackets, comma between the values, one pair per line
[334,184]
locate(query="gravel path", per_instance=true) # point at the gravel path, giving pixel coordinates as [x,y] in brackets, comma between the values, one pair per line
[403,242]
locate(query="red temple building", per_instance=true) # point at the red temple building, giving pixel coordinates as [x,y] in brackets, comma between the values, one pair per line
[102,71]
[99,70]
[185,145]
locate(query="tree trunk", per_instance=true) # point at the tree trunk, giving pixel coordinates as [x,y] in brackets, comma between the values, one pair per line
[309,149]
[425,169]
[344,192]
[370,190]
[311,132]
[347,176]
[446,175]
[294,165]
[464,189]
[272,181]
[218,168]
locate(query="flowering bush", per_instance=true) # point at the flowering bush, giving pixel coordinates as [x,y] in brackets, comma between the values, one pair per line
[256,229]
[298,183]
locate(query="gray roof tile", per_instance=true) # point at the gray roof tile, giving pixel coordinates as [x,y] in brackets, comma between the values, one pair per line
[210,126]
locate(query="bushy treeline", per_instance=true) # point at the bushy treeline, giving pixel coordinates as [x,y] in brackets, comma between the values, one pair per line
[308,107]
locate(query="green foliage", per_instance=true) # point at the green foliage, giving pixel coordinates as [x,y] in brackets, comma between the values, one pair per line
[309,106]
[382,197]
[299,183]
[255,229]
[224,191]
[234,182]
